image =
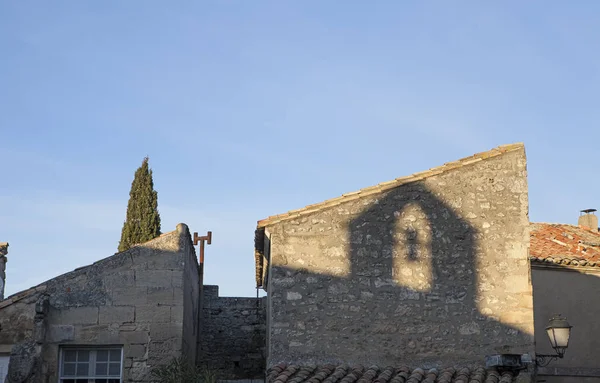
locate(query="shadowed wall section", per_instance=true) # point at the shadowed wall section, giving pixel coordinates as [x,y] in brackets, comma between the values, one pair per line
[433,271]
[233,336]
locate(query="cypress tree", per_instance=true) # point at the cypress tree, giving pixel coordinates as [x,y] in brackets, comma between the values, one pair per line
[143,221]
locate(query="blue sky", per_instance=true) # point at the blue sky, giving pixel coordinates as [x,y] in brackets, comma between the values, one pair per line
[252,108]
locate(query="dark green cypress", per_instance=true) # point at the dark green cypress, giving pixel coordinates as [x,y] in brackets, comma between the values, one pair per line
[143,221]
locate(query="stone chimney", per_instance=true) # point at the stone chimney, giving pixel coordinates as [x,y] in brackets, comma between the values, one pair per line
[588,219]
[3,260]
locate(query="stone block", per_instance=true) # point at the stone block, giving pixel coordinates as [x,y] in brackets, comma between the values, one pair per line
[178,293]
[177,278]
[164,332]
[116,314]
[100,334]
[153,278]
[160,295]
[135,351]
[153,314]
[129,296]
[75,315]
[138,372]
[134,337]
[162,352]
[119,279]
[176,314]
[166,262]
[60,333]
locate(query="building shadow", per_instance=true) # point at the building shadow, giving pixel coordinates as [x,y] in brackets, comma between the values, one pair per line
[411,294]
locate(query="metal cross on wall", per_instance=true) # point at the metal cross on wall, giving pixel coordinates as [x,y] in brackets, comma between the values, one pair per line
[205,238]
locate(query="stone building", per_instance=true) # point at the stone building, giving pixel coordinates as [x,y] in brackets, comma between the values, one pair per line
[117,319]
[434,277]
[428,271]
[110,321]
[565,268]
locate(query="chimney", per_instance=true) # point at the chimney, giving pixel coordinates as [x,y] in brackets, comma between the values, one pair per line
[588,219]
[3,260]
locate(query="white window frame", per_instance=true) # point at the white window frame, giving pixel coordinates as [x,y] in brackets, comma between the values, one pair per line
[4,374]
[91,378]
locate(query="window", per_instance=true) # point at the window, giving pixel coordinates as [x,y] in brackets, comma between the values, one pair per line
[3,367]
[90,365]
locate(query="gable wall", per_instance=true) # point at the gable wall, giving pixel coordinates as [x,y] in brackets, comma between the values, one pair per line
[431,272]
[134,299]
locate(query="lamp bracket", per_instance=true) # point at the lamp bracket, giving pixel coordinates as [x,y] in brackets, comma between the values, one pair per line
[542,360]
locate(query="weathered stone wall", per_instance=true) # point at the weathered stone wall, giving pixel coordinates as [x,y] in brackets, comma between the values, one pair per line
[134,299]
[232,341]
[16,322]
[432,272]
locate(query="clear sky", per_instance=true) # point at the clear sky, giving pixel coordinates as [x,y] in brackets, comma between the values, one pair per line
[252,108]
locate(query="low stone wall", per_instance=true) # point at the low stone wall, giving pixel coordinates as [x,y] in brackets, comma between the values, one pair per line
[232,337]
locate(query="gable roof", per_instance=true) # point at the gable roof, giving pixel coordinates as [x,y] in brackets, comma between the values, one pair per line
[182,229]
[379,188]
[564,245]
[331,374]
[385,186]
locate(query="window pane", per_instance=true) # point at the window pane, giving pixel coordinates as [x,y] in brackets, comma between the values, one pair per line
[114,369]
[82,369]
[69,369]
[101,369]
[115,355]
[83,356]
[102,355]
[70,356]
[114,380]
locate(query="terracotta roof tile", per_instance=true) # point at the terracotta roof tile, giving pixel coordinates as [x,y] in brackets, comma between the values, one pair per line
[282,373]
[561,244]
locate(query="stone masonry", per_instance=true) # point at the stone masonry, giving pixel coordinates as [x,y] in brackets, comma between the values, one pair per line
[142,299]
[429,270]
[233,336]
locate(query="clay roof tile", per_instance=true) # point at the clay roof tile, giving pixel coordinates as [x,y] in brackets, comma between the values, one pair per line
[374,374]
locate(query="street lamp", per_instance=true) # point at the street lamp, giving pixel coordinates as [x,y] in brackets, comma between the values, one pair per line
[558,331]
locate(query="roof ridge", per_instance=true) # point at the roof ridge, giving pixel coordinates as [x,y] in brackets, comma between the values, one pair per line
[387,185]
[587,230]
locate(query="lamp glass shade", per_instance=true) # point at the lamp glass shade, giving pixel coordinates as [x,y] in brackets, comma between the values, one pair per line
[559,337]
[559,331]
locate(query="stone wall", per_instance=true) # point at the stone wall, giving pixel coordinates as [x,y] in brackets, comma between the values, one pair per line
[232,339]
[16,322]
[134,299]
[431,272]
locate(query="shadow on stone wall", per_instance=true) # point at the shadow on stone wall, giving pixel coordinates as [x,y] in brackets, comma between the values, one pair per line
[410,297]
[232,341]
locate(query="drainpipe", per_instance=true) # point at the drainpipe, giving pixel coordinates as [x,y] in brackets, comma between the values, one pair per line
[3,260]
